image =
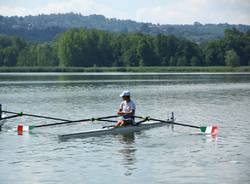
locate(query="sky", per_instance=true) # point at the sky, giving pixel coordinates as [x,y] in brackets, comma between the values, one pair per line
[153,11]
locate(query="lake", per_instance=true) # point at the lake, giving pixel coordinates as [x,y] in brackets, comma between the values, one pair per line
[159,155]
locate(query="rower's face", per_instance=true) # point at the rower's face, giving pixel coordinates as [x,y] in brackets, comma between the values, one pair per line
[125,97]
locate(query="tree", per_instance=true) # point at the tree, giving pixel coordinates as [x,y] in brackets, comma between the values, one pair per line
[146,53]
[130,58]
[182,61]
[194,61]
[90,47]
[232,58]
[10,47]
[172,61]
[214,53]
[165,47]
[82,47]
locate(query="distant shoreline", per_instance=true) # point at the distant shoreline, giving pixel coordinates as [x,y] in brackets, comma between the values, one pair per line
[145,69]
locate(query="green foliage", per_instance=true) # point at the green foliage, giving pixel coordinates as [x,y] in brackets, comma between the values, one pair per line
[43,28]
[232,58]
[91,47]
[81,47]
[215,51]
[10,47]
[37,55]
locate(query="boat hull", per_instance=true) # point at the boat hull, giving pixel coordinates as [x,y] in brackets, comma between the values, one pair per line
[112,130]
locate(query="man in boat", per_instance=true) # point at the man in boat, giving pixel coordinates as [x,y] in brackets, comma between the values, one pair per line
[126,110]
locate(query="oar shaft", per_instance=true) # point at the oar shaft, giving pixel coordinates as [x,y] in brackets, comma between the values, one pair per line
[174,123]
[148,118]
[107,120]
[76,121]
[9,117]
[109,126]
[139,122]
[37,116]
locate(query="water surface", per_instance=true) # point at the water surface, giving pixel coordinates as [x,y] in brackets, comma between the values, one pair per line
[158,155]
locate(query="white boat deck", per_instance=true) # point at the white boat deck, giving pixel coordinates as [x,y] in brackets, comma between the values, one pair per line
[113,130]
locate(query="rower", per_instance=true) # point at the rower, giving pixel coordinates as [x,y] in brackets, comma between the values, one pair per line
[126,110]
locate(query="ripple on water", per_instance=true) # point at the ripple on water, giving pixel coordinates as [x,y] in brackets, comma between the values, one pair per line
[154,156]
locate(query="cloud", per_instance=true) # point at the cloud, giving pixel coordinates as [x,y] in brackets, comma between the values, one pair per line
[55,6]
[9,11]
[184,11]
[204,11]
[235,2]
[85,7]
[67,6]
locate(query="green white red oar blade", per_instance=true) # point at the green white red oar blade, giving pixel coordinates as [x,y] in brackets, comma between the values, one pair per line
[212,130]
[21,128]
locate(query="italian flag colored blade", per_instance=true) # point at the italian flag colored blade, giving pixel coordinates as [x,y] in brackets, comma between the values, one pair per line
[22,128]
[209,129]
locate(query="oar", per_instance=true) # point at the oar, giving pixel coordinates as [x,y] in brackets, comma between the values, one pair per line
[37,116]
[136,124]
[28,128]
[107,120]
[204,129]
[9,117]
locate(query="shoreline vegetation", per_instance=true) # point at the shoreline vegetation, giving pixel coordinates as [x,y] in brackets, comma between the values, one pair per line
[144,69]
[95,48]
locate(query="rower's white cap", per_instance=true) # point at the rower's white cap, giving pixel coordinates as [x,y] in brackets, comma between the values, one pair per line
[125,93]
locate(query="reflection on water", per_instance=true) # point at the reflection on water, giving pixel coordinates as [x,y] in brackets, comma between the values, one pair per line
[211,138]
[128,152]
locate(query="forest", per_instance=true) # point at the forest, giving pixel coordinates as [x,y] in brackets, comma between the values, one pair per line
[81,47]
[43,28]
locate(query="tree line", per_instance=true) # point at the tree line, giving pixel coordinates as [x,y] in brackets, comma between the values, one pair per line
[91,47]
[43,28]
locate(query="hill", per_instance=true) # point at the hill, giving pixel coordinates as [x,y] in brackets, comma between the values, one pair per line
[43,28]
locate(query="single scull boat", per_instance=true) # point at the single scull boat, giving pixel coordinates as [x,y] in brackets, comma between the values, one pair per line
[141,125]
[114,130]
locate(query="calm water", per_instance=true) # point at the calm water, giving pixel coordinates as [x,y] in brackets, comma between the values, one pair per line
[158,155]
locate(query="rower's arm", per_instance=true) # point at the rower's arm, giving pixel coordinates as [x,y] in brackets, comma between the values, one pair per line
[130,113]
[119,111]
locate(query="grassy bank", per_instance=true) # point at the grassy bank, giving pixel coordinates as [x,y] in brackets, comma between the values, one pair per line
[126,69]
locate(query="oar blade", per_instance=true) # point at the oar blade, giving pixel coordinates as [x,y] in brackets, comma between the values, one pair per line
[211,130]
[22,128]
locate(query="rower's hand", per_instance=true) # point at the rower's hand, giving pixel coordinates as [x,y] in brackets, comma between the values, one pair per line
[120,113]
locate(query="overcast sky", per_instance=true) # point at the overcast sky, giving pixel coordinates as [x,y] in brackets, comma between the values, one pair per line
[155,11]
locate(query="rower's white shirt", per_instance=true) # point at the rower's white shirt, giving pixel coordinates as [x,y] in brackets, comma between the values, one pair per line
[127,106]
